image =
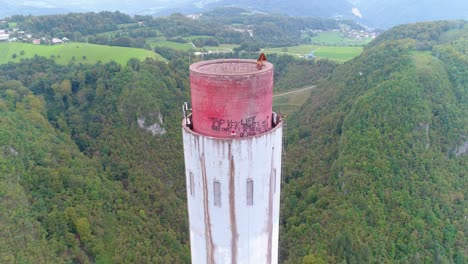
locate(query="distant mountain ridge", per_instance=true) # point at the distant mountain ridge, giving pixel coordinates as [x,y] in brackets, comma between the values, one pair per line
[375,13]
[312,8]
[9,8]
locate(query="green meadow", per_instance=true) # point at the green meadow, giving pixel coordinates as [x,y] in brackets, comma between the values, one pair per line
[169,44]
[336,53]
[78,52]
[336,39]
[162,42]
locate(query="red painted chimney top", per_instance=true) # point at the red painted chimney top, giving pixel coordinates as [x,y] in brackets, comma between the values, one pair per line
[231,97]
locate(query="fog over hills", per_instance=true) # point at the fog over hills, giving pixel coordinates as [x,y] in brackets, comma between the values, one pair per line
[386,13]
[35,7]
[9,8]
[375,13]
[314,8]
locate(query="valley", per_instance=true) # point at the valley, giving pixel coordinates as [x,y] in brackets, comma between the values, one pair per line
[374,144]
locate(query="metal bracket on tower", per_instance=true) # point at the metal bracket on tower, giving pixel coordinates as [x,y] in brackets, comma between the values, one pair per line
[186,111]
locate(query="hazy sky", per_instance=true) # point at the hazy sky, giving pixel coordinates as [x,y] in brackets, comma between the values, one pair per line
[103,4]
[35,7]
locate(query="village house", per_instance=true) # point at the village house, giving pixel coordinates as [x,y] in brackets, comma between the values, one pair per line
[194,16]
[36,41]
[4,36]
[57,41]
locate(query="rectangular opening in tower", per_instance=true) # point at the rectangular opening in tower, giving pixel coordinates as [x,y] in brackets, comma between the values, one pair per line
[249,192]
[217,193]
[273,180]
[192,187]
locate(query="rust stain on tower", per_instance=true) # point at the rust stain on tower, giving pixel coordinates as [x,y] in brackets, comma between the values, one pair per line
[232,144]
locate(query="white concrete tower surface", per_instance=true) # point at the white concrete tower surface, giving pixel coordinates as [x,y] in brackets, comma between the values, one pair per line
[232,149]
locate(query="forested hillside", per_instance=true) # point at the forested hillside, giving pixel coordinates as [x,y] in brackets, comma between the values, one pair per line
[375,164]
[314,8]
[80,179]
[91,162]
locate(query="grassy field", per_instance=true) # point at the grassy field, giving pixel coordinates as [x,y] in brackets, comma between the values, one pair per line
[288,103]
[170,44]
[79,52]
[159,41]
[336,39]
[336,53]
[127,25]
[123,29]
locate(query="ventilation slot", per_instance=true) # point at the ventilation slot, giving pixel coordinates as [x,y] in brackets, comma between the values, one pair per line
[273,180]
[249,192]
[192,184]
[217,193]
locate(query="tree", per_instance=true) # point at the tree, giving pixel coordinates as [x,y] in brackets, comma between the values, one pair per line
[83,228]
[313,259]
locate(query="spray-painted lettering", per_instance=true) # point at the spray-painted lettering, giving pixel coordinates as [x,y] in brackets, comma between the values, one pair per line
[216,123]
[243,128]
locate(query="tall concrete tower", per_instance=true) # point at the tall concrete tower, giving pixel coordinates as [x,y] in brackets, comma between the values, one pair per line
[232,149]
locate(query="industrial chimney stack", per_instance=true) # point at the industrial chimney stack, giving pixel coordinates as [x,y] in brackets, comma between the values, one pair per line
[232,149]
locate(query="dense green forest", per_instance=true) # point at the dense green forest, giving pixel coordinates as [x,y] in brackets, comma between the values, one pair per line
[374,162]
[80,180]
